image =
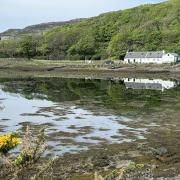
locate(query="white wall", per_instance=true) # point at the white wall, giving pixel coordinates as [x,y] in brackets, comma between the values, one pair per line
[143,60]
[167,58]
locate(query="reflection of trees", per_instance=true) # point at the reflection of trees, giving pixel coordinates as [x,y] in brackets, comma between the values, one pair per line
[50,89]
[110,94]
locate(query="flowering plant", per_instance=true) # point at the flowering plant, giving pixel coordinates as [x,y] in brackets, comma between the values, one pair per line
[30,152]
[9,142]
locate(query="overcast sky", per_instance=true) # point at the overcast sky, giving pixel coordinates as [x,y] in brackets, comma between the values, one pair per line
[21,13]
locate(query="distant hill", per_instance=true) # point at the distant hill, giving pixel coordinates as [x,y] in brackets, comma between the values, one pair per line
[37,29]
[148,27]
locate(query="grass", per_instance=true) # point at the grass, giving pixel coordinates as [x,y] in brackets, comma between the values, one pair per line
[47,63]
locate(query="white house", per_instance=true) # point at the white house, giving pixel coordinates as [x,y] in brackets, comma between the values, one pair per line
[157,57]
[153,84]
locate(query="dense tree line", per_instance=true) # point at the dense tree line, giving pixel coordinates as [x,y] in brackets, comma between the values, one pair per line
[110,35]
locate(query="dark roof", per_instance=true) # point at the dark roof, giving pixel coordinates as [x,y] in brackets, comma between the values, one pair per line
[152,54]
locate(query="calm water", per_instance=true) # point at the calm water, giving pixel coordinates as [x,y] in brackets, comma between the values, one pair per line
[81,114]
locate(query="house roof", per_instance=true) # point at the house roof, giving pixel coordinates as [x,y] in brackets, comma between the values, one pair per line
[174,54]
[152,54]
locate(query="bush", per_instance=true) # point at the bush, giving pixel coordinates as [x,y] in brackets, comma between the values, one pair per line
[26,162]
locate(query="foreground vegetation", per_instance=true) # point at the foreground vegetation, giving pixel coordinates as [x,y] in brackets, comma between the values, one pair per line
[25,163]
[110,35]
[28,163]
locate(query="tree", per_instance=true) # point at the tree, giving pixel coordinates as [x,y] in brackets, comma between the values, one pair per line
[29,46]
[59,43]
[86,46]
[153,40]
[9,48]
[119,45]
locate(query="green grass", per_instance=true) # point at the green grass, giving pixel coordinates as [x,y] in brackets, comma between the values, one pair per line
[44,63]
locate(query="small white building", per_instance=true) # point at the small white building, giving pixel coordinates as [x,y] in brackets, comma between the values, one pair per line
[157,57]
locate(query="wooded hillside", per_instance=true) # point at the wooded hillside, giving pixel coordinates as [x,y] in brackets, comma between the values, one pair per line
[110,35]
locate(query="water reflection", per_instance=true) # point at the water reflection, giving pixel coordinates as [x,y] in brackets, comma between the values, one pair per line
[69,126]
[155,84]
[80,114]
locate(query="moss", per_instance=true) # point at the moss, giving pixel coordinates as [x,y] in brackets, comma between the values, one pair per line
[135,167]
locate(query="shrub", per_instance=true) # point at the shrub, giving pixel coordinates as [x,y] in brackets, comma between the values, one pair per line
[26,162]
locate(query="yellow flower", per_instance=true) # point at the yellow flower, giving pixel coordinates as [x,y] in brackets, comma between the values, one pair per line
[8,142]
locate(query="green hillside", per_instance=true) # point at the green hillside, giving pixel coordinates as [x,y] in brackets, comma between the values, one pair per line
[110,35]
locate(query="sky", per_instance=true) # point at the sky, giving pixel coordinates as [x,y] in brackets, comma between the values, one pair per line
[21,13]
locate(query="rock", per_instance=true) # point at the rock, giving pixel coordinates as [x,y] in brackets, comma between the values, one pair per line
[159,151]
[123,163]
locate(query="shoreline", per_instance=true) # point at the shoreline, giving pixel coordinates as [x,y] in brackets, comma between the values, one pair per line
[81,69]
[88,73]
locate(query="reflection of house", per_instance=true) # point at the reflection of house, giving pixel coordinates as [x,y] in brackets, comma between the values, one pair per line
[155,84]
[157,57]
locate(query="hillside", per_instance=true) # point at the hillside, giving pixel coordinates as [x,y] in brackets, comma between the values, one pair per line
[110,35]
